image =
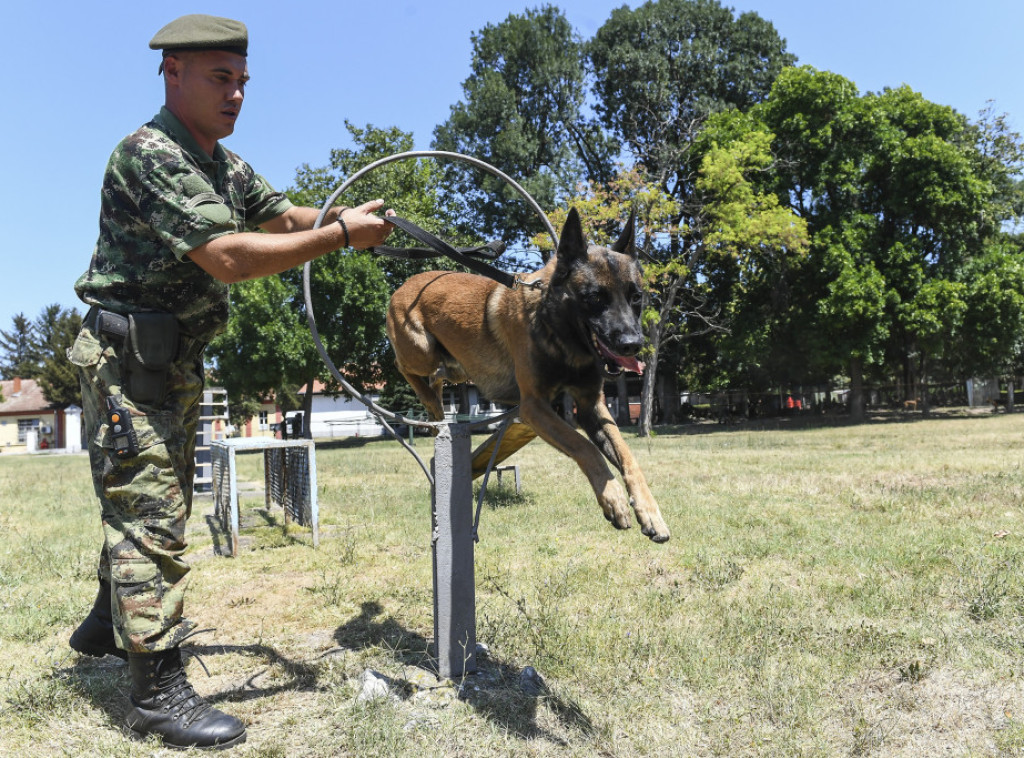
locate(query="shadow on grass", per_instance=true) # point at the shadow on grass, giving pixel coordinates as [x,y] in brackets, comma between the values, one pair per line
[258,522]
[502,496]
[348,443]
[106,682]
[103,682]
[505,694]
[220,537]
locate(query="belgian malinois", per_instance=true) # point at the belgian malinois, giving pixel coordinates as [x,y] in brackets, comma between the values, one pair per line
[579,326]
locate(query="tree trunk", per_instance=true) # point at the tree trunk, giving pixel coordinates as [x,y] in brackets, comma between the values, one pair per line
[622,417]
[647,401]
[922,385]
[668,398]
[856,390]
[909,378]
[657,331]
[650,377]
[1009,395]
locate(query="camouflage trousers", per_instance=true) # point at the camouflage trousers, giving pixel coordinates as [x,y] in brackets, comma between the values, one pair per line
[145,500]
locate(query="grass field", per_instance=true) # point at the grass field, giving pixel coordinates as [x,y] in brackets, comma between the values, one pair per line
[832,591]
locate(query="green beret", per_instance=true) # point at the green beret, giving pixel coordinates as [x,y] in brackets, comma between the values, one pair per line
[201,32]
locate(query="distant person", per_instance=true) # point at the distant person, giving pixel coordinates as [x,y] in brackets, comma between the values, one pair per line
[179,221]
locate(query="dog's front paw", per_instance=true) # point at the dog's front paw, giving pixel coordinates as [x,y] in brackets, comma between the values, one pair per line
[615,505]
[651,522]
[658,532]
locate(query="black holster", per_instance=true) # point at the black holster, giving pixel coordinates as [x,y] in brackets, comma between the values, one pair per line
[150,348]
[151,342]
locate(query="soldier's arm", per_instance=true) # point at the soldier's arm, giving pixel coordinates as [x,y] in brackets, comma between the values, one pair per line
[292,242]
[297,219]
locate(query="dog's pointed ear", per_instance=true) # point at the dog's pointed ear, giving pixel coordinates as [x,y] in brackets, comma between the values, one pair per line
[572,245]
[626,243]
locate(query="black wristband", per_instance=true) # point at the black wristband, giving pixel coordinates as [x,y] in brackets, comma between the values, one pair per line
[344,228]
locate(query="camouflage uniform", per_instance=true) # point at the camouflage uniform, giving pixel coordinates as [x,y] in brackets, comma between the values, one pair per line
[162,197]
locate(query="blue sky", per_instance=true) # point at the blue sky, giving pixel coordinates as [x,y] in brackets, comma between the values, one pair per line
[76,77]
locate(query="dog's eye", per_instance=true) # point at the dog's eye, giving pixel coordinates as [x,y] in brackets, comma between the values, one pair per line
[595,300]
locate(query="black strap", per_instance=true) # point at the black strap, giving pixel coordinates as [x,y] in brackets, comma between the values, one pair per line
[490,251]
[442,247]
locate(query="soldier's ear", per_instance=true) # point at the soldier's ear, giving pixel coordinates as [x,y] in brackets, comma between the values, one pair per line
[626,243]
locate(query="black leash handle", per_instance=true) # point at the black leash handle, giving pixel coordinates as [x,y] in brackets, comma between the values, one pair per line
[442,247]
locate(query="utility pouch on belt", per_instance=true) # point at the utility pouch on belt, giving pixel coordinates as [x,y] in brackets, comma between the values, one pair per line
[150,349]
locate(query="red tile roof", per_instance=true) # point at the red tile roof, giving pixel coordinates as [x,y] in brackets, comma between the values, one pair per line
[21,397]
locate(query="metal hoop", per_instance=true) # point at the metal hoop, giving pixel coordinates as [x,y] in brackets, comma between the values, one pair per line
[383,414]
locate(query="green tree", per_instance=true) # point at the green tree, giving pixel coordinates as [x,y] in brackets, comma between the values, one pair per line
[992,327]
[255,356]
[58,377]
[661,69]
[837,312]
[416,189]
[934,213]
[753,245]
[524,112]
[900,195]
[20,349]
[660,72]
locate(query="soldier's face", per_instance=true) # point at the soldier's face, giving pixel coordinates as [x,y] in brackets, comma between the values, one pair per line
[205,91]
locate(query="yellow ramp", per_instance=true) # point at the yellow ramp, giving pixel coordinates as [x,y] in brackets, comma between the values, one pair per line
[516,436]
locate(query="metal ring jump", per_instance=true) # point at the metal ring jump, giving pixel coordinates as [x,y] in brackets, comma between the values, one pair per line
[383,414]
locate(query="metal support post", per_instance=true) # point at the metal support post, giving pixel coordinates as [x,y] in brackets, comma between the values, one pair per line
[452,538]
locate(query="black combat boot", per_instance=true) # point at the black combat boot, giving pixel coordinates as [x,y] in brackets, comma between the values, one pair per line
[95,635]
[164,703]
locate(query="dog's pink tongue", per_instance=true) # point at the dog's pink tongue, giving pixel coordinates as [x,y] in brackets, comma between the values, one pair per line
[629,363]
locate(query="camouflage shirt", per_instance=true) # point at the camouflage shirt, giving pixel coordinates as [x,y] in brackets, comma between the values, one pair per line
[162,197]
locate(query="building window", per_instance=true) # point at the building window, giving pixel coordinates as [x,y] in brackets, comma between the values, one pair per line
[263,421]
[24,425]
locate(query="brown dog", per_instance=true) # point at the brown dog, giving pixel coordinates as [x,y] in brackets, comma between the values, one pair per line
[525,346]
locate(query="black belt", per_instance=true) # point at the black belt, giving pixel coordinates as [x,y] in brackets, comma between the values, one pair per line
[113,324]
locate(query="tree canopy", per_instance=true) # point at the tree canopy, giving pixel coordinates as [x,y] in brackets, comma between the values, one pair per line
[523,112]
[902,199]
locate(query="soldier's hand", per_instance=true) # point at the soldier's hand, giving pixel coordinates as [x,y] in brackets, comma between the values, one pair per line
[364,228]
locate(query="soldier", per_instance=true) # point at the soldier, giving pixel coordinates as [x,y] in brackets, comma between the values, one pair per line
[179,222]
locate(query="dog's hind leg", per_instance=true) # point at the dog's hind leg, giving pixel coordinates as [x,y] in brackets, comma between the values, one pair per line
[429,394]
[599,425]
